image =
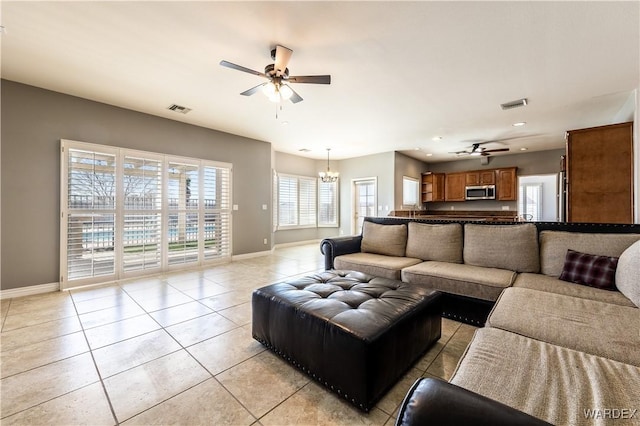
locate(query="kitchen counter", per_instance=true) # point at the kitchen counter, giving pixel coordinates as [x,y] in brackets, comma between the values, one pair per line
[493,216]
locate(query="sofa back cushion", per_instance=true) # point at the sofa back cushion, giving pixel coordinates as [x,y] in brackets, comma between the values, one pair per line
[442,243]
[390,240]
[628,272]
[554,246]
[512,247]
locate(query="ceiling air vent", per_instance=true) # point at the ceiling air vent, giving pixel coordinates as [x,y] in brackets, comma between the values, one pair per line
[515,104]
[178,108]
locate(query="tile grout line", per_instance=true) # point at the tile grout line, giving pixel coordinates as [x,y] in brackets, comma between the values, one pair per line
[95,364]
[185,348]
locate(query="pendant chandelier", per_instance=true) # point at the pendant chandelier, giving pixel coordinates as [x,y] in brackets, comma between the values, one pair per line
[328,176]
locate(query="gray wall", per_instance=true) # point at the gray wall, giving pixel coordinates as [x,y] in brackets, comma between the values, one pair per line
[380,166]
[34,121]
[533,163]
[405,166]
[301,166]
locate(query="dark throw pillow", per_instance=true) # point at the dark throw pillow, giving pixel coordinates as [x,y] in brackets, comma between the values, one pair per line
[589,269]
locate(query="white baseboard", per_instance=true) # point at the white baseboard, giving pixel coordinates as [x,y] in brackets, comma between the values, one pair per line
[297,243]
[251,255]
[29,290]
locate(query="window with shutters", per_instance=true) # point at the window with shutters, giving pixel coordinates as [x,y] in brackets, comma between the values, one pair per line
[296,201]
[127,213]
[304,202]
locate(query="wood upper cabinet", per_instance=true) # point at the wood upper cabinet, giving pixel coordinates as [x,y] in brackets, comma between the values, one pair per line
[432,187]
[600,174]
[507,184]
[480,177]
[454,187]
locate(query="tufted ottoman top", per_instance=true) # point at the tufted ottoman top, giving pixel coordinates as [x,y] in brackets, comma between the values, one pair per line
[362,304]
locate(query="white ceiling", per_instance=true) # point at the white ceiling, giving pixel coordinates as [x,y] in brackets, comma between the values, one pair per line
[402,72]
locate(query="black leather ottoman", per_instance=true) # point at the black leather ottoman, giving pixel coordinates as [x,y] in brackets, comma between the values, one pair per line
[354,333]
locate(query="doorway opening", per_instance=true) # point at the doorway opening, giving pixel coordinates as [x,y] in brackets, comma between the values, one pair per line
[364,202]
[538,198]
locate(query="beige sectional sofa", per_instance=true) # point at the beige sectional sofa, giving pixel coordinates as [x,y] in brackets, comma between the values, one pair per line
[563,352]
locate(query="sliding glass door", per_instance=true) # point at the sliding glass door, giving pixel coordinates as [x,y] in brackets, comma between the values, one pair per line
[127,213]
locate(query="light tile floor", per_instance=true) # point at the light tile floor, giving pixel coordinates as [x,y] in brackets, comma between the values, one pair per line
[176,349]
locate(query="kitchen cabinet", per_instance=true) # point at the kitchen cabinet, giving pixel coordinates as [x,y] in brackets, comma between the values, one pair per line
[599,174]
[454,187]
[432,187]
[480,177]
[507,184]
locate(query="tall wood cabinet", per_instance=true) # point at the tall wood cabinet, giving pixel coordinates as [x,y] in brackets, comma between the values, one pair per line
[599,171]
[454,188]
[507,187]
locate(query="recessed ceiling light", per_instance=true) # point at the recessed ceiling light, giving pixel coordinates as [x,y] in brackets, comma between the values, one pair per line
[429,154]
[285,123]
[416,149]
[523,149]
[519,124]
[436,138]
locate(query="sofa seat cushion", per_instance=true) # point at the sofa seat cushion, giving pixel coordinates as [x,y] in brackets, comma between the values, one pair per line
[466,280]
[554,285]
[550,382]
[377,265]
[590,326]
[554,246]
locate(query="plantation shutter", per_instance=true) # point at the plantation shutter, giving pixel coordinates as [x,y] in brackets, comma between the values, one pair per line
[90,214]
[287,200]
[307,197]
[327,204]
[142,226]
[182,231]
[217,212]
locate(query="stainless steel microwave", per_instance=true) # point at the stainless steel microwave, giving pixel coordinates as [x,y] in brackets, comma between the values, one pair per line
[482,192]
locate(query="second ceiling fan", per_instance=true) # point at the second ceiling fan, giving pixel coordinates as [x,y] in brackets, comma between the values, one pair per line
[476,150]
[277,74]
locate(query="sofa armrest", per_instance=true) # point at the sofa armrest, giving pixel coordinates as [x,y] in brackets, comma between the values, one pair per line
[332,247]
[436,402]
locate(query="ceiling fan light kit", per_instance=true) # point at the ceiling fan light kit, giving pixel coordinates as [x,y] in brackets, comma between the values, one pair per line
[277,89]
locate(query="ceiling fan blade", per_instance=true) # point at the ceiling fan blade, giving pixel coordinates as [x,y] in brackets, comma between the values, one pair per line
[313,79]
[283,54]
[295,98]
[496,150]
[253,89]
[241,68]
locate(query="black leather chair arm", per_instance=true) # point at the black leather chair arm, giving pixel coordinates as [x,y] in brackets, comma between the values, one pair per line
[436,402]
[332,247]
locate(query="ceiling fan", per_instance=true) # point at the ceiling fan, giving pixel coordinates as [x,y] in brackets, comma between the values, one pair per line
[477,150]
[277,88]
